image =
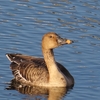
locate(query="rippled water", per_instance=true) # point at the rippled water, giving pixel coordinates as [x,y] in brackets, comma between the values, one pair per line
[22,24]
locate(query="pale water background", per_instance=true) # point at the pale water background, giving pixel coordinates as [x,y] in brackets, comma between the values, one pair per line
[22,25]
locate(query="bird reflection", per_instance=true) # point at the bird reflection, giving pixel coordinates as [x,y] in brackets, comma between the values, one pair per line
[53,93]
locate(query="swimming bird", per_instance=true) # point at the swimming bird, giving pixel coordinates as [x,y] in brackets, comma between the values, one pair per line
[45,71]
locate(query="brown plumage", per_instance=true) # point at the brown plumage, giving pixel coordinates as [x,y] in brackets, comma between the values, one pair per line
[46,72]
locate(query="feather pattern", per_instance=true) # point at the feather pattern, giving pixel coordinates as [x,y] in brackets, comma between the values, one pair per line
[31,70]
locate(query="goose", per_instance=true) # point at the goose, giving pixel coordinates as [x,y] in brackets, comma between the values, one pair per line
[45,71]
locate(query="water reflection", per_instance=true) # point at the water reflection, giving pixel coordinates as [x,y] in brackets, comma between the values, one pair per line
[49,93]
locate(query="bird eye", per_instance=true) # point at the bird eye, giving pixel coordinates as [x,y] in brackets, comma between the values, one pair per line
[50,36]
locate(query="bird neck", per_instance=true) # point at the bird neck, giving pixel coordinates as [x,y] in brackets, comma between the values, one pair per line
[56,78]
[49,59]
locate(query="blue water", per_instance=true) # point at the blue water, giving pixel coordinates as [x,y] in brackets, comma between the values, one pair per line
[24,22]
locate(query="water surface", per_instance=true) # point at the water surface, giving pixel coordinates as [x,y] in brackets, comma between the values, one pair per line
[22,25]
